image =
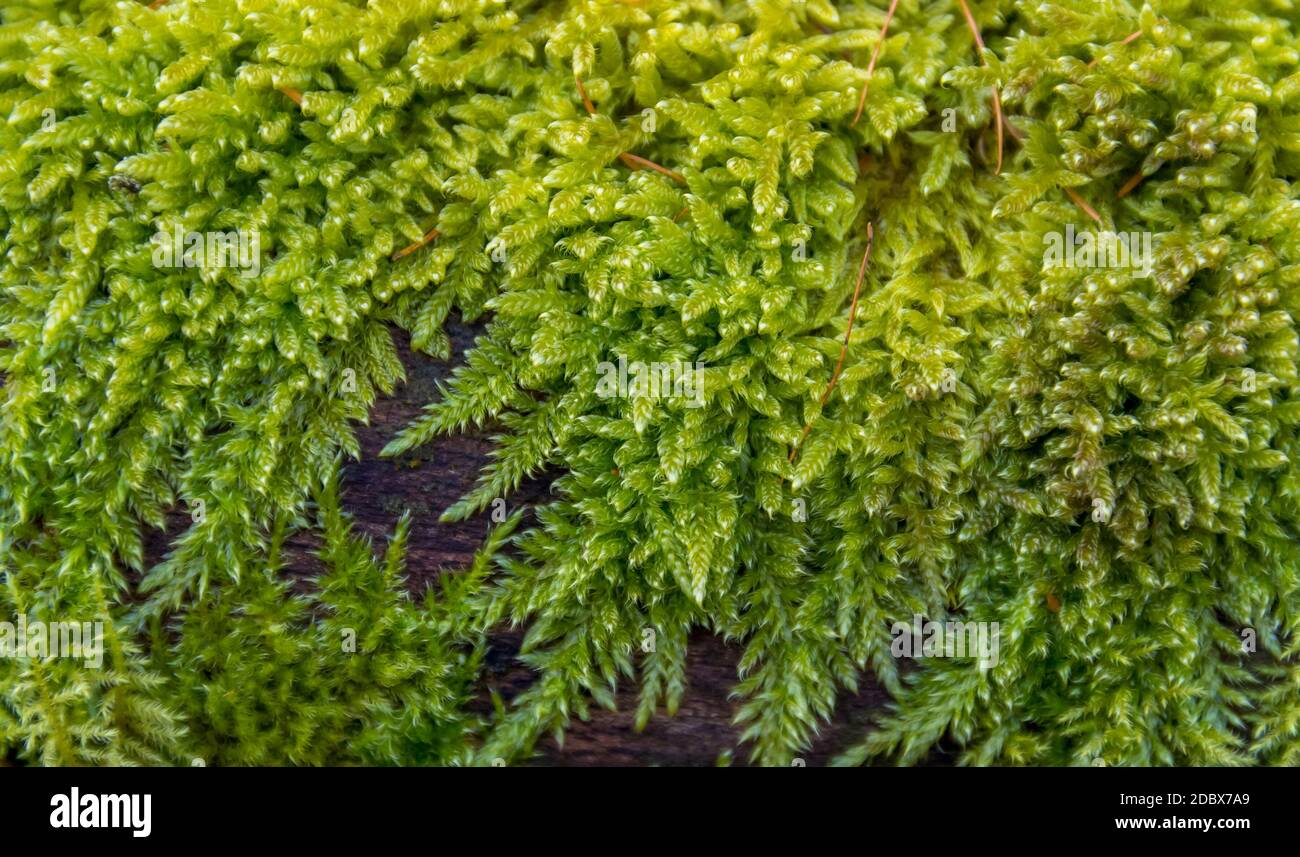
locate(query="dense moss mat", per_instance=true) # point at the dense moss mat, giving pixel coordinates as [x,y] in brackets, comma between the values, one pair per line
[1098,457]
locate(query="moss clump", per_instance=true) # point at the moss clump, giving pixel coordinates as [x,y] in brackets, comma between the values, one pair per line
[1099,458]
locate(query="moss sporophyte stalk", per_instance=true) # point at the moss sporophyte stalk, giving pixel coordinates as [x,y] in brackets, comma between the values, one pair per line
[881,394]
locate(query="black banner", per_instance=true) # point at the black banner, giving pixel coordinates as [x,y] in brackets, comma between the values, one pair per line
[143,808]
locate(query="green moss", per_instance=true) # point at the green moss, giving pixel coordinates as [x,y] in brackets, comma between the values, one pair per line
[1099,459]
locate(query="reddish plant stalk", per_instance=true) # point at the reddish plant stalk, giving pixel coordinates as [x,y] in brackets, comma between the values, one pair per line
[636,162]
[1083,203]
[586,99]
[871,66]
[1130,184]
[632,161]
[997,99]
[406,251]
[844,349]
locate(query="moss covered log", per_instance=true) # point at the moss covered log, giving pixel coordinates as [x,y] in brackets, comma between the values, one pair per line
[823,316]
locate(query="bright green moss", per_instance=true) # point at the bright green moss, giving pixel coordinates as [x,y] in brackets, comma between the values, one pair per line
[1100,459]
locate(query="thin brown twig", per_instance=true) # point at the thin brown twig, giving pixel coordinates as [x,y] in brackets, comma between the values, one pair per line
[1130,184]
[974,29]
[1128,40]
[871,66]
[1134,180]
[997,111]
[632,161]
[586,99]
[636,161]
[1083,203]
[1015,132]
[844,349]
[997,99]
[826,31]
[294,95]
[406,251]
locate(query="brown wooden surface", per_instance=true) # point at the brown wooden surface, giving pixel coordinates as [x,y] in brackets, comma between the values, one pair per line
[427,480]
